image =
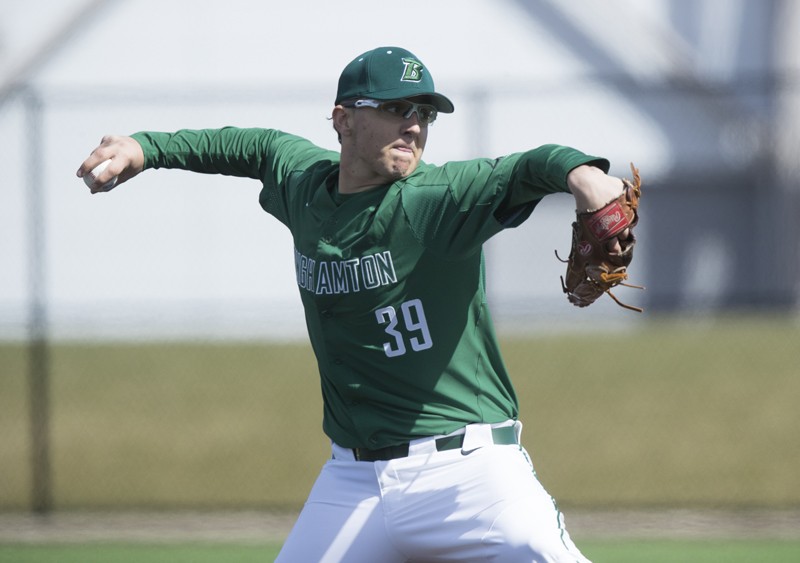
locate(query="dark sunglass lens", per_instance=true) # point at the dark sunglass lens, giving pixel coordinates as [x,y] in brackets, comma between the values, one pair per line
[426,114]
[395,107]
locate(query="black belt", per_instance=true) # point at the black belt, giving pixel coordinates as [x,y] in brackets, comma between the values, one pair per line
[505,435]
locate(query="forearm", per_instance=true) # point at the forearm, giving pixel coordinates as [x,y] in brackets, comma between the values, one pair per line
[546,170]
[235,152]
[229,151]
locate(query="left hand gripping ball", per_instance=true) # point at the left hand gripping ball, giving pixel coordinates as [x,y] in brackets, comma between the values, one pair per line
[91,178]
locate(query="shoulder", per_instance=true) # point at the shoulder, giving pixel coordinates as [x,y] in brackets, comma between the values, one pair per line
[470,179]
[288,144]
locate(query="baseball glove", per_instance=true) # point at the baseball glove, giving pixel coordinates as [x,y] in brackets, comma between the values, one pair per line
[595,263]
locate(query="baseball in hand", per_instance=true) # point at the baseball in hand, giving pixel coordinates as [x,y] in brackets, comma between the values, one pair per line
[92,176]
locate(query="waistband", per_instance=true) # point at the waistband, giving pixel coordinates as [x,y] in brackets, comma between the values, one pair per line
[469,438]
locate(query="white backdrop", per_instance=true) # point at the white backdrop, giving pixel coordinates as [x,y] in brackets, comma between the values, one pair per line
[177,254]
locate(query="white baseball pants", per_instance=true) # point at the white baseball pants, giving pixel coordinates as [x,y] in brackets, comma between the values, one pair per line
[482,502]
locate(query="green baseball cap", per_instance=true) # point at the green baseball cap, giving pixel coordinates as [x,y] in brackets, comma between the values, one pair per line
[389,73]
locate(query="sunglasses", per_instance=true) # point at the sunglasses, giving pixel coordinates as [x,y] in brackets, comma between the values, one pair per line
[426,113]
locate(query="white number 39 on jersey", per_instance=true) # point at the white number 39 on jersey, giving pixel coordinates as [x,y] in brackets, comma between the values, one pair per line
[414,329]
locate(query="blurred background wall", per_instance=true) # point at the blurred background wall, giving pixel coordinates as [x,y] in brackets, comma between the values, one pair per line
[702,95]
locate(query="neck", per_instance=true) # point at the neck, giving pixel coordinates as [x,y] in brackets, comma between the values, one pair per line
[350,185]
[354,178]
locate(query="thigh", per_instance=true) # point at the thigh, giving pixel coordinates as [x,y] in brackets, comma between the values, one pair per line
[529,525]
[342,520]
[485,506]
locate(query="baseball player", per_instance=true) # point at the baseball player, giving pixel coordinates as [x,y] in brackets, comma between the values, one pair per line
[426,460]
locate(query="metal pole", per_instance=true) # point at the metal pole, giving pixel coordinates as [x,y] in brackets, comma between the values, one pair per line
[38,350]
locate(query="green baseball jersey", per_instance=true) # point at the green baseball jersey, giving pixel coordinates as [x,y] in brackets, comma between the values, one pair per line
[392,279]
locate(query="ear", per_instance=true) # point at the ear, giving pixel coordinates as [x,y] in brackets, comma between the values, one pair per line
[342,121]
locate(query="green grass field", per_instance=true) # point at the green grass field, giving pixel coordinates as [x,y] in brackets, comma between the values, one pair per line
[699,415]
[598,551]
